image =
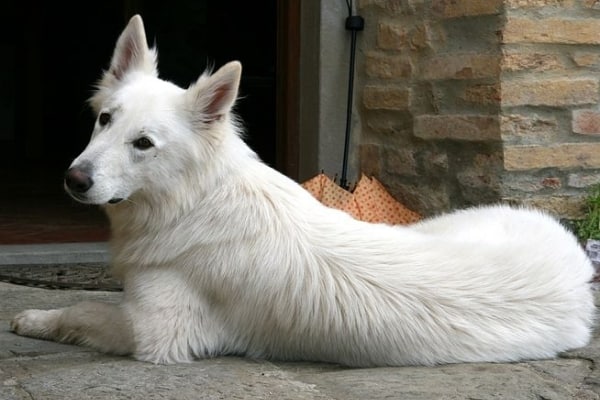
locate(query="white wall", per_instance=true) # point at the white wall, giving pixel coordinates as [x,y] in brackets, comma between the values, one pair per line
[324,65]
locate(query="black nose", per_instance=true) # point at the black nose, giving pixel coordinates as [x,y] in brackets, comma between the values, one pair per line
[78,179]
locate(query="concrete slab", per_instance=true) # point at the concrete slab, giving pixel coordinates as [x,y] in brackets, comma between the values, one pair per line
[60,253]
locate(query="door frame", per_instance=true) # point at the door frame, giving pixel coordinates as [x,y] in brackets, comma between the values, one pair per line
[287,96]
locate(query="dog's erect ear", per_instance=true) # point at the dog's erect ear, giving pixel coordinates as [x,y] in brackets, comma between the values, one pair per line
[132,52]
[213,96]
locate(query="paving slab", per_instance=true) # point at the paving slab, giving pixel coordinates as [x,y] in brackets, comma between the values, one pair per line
[37,369]
[28,254]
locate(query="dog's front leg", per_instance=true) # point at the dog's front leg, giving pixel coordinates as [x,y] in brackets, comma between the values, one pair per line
[104,327]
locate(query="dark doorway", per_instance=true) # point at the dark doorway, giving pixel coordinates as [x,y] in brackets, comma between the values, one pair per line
[197,35]
[53,52]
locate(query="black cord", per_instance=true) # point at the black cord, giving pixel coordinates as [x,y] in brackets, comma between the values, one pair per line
[354,23]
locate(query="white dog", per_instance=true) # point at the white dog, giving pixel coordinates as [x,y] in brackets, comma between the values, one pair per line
[219,254]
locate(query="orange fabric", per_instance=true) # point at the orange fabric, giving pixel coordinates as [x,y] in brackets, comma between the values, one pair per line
[335,196]
[377,205]
[315,185]
[368,202]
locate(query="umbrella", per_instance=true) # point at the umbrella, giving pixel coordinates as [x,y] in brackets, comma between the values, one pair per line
[369,201]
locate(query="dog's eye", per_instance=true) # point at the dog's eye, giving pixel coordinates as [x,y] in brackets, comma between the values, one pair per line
[142,143]
[104,118]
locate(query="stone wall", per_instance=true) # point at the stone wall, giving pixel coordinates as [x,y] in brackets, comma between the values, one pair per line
[470,102]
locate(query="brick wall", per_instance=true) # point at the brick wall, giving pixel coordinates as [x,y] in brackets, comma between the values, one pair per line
[470,102]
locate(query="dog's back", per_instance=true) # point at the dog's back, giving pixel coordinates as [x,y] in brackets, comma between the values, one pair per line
[496,284]
[288,278]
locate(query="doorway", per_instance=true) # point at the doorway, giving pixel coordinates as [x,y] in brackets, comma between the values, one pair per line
[56,53]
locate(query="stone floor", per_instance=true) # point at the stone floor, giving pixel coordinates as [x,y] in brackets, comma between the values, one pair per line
[35,370]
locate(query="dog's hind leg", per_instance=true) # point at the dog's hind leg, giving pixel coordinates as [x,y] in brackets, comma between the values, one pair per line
[104,327]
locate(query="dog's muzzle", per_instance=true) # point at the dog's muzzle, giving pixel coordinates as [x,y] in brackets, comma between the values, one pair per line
[78,179]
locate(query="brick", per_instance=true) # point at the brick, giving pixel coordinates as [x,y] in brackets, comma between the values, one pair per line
[461,66]
[583,180]
[525,182]
[487,161]
[400,161]
[481,180]
[393,7]
[426,198]
[398,36]
[564,155]
[569,207]
[482,94]
[552,30]
[370,159]
[380,127]
[586,122]
[586,59]
[530,126]
[435,162]
[465,8]
[420,37]
[392,36]
[457,127]
[522,183]
[531,61]
[550,92]
[386,98]
[478,188]
[593,4]
[552,182]
[387,67]
[538,3]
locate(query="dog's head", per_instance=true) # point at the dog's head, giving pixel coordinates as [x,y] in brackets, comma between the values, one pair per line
[149,131]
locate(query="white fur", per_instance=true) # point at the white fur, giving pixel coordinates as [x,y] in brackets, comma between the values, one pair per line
[219,254]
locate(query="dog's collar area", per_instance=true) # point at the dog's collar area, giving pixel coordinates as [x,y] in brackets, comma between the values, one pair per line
[115,200]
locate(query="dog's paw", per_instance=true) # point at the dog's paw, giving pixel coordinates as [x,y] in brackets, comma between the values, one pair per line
[35,323]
